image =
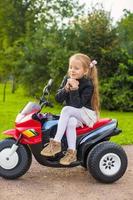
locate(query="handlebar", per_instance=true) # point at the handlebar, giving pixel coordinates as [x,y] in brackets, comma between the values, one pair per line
[46,103]
[46,90]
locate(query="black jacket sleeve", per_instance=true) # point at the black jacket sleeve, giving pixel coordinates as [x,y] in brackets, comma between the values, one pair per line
[79,100]
[61,93]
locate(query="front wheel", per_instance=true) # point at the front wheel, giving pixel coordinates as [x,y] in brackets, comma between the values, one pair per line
[16,165]
[107,162]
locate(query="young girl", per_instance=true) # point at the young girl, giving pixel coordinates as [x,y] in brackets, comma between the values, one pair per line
[79,90]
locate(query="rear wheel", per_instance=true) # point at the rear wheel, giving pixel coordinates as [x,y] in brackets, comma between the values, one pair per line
[107,162]
[16,165]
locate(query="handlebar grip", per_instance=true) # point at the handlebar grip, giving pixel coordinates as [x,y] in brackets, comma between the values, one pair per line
[49,104]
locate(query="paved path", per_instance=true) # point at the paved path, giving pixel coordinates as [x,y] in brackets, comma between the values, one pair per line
[42,183]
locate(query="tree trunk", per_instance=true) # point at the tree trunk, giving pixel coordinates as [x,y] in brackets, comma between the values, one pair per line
[13,85]
[4,91]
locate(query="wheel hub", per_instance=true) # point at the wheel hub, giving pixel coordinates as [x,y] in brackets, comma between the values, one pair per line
[6,161]
[110,164]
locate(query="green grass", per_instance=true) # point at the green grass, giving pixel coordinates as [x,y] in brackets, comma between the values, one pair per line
[15,102]
[125,120]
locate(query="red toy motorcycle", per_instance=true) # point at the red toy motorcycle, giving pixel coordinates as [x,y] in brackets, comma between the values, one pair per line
[106,161]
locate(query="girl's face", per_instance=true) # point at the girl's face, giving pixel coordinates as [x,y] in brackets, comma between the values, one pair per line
[76,69]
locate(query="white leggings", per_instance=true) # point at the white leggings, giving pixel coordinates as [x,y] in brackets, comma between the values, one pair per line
[68,122]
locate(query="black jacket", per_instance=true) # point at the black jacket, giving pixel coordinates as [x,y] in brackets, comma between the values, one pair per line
[76,98]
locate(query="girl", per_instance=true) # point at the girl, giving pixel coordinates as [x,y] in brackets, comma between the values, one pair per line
[79,90]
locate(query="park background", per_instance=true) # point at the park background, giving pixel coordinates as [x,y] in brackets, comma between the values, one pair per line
[37,37]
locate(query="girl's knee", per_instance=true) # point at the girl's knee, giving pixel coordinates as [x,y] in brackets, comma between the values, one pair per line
[72,122]
[65,110]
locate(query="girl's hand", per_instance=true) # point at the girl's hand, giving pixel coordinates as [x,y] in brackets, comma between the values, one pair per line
[67,87]
[74,84]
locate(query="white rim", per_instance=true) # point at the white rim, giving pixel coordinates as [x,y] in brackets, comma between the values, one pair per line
[6,161]
[110,164]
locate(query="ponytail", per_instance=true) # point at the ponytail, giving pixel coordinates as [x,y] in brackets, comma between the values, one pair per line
[95,102]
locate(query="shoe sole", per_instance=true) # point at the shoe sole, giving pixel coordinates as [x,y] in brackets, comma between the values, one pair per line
[49,155]
[68,163]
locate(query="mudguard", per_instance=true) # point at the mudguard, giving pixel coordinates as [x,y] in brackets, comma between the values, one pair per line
[11,132]
[94,137]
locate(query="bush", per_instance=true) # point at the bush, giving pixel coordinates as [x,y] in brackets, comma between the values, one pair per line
[116,92]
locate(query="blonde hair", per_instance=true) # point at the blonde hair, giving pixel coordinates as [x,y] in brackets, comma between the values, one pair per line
[91,72]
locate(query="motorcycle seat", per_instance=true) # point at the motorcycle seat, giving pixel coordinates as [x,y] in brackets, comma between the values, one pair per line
[98,124]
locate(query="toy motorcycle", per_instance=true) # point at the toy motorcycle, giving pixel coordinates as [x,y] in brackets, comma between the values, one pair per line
[106,161]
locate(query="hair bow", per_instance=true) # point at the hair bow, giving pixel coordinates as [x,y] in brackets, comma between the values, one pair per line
[93,63]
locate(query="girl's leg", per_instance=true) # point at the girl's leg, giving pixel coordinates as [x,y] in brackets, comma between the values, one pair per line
[70,155]
[71,133]
[55,144]
[66,113]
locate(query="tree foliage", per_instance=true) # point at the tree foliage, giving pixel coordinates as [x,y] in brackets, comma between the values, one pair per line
[125,32]
[37,37]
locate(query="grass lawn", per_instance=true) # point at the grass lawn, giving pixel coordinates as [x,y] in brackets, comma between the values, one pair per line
[15,102]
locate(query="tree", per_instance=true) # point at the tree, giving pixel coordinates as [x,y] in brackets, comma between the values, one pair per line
[125,32]
[14,25]
[45,50]
[96,37]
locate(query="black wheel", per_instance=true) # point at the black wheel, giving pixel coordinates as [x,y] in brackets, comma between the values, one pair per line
[107,162]
[16,165]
